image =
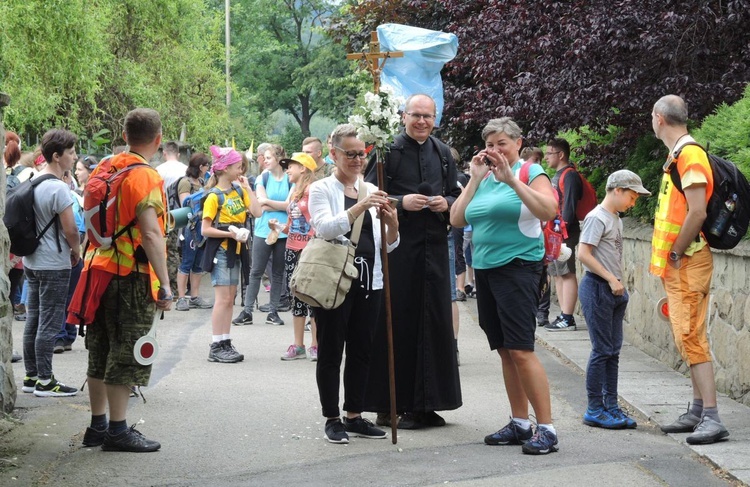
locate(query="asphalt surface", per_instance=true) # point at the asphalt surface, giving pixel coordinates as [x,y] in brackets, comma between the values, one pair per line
[259,423]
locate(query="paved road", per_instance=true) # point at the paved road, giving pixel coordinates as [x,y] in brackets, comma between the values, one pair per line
[259,423]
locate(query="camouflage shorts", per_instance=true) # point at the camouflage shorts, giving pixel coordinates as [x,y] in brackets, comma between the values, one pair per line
[112,335]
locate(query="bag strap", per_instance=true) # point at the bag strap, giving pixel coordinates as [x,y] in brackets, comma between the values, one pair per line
[357,228]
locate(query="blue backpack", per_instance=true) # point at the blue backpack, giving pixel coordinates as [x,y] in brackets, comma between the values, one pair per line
[196,201]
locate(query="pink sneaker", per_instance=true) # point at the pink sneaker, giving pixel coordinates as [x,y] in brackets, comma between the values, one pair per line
[268,288]
[294,352]
[313,354]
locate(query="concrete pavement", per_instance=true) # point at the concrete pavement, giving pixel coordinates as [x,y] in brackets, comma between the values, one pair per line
[259,423]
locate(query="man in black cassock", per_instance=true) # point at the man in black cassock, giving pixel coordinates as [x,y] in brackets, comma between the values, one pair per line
[421,174]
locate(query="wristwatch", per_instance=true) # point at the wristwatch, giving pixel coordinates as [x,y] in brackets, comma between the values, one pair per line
[674,256]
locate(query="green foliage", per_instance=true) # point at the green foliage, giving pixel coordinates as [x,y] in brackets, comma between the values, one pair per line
[646,160]
[727,132]
[291,138]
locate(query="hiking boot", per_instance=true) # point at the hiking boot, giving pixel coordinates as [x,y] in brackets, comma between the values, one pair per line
[29,384]
[362,428]
[94,437]
[294,352]
[217,353]
[244,318]
[182,304]
[618,413]
[543,442]
[510,434]
[265,308]
[54,389]
[707,431]
[686,423]
[561,324]
[200,303]
[129,440]
[602,419]
[273,319]
[312,352]
[59,346]
[335,431]
[227,344]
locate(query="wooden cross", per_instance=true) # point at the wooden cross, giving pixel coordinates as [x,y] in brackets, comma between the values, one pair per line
[373,59]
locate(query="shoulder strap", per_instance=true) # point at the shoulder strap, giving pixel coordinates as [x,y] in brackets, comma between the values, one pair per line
[357,228]
[673,173]
[55,219]
[444,153]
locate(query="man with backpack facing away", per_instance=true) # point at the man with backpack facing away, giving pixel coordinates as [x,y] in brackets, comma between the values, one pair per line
[681,257]
[47,268]
[568,182]
[124,284]
[172,171]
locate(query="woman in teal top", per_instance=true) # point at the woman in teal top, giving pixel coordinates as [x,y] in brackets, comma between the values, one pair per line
[506,215]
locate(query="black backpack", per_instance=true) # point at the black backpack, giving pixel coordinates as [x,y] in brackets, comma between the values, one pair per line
[728,181]
[173,198]
[20,219]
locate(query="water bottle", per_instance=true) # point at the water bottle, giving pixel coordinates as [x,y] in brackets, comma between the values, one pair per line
[721,221]
[553,242]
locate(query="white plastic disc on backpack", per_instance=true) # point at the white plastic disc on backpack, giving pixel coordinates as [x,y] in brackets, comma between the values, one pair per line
[662,309]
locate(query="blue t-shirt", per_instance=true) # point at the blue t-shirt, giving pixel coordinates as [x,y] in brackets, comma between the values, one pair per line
[504,228]
[278,191]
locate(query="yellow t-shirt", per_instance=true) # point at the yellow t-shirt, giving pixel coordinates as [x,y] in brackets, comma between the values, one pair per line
[233,211]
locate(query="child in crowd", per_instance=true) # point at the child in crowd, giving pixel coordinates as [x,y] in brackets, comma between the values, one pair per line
[604,298]
[301,172]
[229,201]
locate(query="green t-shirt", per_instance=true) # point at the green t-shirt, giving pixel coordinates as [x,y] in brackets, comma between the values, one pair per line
[504,228]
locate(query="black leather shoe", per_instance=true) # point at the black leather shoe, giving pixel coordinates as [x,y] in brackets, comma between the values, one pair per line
[409,421]
[431,418]
[383,419]
[130,440]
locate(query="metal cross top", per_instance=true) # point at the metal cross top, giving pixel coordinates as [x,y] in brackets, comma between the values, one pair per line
[373,59]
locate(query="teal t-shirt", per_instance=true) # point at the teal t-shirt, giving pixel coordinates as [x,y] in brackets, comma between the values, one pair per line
[275,190]
[504,228]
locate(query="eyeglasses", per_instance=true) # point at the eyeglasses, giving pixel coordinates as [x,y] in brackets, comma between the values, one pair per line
[426,117]
[351,155]
[551,153]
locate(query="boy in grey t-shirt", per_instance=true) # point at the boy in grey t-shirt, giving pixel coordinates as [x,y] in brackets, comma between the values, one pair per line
[604,298]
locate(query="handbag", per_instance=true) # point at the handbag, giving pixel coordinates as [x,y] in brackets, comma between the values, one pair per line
[325,269]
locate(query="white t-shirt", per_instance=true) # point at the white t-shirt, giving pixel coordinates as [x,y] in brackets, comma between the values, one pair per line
[171,171]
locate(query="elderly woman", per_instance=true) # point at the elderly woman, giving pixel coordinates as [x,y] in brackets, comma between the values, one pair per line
[506,215]
[335,205]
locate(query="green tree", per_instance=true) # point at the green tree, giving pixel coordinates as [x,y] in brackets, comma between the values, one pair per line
[285,60]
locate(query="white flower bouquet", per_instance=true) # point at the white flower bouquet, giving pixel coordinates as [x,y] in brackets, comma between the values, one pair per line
[377,121]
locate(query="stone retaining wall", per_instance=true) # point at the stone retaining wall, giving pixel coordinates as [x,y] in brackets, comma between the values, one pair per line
[728,319]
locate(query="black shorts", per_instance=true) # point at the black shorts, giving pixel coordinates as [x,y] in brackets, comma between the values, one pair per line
[507,299]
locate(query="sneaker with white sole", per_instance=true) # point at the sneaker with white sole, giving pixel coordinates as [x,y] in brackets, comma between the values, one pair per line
[561,324]
[312,352]
[54,389]
[510,434]
[543,442]
[29,384]
[244,318]
[200,303]
[707,431]
[362,428]
[686,423]
[335,432]
[274,319]
[182,304]
[294,353]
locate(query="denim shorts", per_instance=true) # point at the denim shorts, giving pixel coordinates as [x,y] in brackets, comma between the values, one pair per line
[221,275]
[192,255]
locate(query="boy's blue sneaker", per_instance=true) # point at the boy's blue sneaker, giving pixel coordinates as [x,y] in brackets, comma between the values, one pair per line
[510,434]
[543,442]
[601,418]
[618,413]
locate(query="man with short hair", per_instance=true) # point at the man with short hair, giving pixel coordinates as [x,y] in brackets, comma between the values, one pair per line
[47,270]
[681,257]
[128,283]
[421,174]
[566,282]
[314,147]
